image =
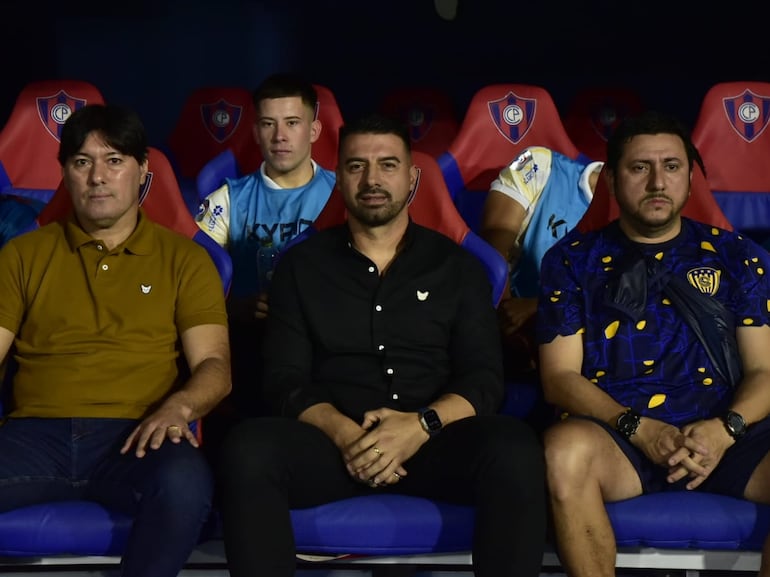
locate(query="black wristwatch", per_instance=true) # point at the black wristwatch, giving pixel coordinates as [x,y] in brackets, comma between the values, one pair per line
[735,424]
[628,423]
[430,421]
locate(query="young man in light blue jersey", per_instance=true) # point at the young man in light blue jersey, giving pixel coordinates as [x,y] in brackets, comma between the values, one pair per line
[275,203]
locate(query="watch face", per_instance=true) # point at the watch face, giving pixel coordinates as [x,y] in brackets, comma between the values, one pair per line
[431,420]
[736,426]
[628,423]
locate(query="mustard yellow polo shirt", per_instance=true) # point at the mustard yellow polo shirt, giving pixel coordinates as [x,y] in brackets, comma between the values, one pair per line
[98,331]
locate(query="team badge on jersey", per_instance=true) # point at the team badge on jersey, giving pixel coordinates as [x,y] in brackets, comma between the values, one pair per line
[748,114]
[54,111]
[221,118]
[705,279]
[419,119]
[513,115]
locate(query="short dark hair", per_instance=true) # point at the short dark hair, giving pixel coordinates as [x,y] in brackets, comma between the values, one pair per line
[376,123]
[120,127]
[649,122]
[284,86]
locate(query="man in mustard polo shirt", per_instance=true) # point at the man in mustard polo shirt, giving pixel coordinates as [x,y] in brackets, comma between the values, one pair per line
[100,309]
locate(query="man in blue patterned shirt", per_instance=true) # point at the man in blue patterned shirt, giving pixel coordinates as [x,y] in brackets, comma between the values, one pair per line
[653,337]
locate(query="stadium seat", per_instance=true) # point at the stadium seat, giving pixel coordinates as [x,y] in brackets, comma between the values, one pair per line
[595,112]
[501,120]
[232,164]
[213,119]
[162,201]
[731,134]
[29,141]
[428,112]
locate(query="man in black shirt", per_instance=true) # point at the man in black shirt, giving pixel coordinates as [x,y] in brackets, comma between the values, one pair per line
[383,364]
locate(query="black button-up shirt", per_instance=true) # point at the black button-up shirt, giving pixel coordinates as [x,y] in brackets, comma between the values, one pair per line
[339,332]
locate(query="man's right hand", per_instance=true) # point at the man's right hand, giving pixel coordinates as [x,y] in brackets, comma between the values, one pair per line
[663,443]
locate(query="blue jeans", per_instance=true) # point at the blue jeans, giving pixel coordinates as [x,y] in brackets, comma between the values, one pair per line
[168,492]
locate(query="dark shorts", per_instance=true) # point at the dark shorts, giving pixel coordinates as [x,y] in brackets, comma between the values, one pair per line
[729,478]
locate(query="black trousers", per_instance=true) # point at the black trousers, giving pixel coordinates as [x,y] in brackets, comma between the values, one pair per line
[271,465]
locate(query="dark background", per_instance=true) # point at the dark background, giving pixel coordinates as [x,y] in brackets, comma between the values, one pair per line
[151,54]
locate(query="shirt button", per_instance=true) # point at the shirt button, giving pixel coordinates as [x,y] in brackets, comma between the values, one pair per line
[99,247]
[371,269]
[105,267]
[390,371]
[395,396]
[381,347]
[378,308]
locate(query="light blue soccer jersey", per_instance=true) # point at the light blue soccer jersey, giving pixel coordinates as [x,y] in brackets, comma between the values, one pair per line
[244,211]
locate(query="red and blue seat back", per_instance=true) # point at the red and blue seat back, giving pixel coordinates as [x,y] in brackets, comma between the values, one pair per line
[501,120]
[429,114]
[29,141]
[162,201]
[213,119]
[594,114]
[731,132]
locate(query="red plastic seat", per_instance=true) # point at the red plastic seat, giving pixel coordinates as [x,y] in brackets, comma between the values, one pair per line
[501,120]
[428,112]
[29,141]
[213,118]
[595,112]
[731,133]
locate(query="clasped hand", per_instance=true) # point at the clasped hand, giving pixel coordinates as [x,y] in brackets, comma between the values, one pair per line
[693,451]
[377,458]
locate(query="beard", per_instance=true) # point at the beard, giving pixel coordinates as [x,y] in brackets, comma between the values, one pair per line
[649,220]
[379,215]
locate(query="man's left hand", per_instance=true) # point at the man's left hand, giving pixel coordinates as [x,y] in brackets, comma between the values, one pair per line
[165,423]
[377,458]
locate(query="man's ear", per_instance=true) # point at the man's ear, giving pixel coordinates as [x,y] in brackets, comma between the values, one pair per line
[143,169]
[414,174]
[315,130]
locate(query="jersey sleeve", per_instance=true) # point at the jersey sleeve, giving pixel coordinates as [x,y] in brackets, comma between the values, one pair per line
[213,216]
[525,178]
